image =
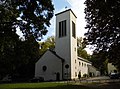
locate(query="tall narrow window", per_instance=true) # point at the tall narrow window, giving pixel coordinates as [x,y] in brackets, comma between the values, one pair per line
[73,30]
[75,74]
[62,28]
[79,63]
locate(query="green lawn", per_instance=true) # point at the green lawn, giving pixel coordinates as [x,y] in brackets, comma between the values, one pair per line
[51,85]
[41,86]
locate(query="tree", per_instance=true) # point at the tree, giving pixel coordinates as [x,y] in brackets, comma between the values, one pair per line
[99,61]
[51,41]
[31,17]
[81,44]
[26,55]
[8,37]
[48,44]
[114,56]
[103,24]
[34,17]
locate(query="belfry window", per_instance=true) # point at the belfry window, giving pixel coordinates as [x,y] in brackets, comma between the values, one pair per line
[62,28]
[73,30]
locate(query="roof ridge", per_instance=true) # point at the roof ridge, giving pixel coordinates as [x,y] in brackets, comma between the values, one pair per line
[56,55]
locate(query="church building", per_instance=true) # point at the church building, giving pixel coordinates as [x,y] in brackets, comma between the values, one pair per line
[62,62]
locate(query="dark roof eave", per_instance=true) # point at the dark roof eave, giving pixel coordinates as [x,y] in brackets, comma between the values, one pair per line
[80,58]
[66,11]
[56,55]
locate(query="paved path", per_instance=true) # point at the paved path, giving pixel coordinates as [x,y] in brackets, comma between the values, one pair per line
[99,78]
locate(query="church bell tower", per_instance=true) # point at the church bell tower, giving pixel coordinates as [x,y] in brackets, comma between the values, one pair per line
[66,41]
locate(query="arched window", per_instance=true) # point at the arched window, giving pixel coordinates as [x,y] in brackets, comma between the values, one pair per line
[82,64]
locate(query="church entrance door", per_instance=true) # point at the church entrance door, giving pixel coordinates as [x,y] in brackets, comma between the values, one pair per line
[57,76]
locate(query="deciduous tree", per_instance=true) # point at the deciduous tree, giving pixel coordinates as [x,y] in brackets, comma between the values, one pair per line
[47,44]
[81,44]
[32,17]
[103,24]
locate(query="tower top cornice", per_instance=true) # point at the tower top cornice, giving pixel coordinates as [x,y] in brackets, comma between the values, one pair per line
[66,11]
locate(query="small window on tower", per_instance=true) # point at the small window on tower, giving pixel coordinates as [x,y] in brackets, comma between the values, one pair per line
[75,60]
[75,48]
[62,28]
[79,63]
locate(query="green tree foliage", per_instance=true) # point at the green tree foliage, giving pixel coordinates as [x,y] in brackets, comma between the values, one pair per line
[48,44]
[81,44]
[8,37]
[32,18]
[114,55]
[103,24]
[100,61]
[19,57]
[26,55]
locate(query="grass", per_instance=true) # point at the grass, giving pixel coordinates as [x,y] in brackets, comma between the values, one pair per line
[51,85]
[41,86]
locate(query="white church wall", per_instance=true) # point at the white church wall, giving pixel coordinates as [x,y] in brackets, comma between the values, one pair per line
[111,68]
[82,67]
[66,47]
[93,71]
[53,64]
[62,46]
[62,43]
[73,46]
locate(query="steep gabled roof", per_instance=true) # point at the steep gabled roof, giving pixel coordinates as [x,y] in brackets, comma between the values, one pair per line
[80,58]
[53,52]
